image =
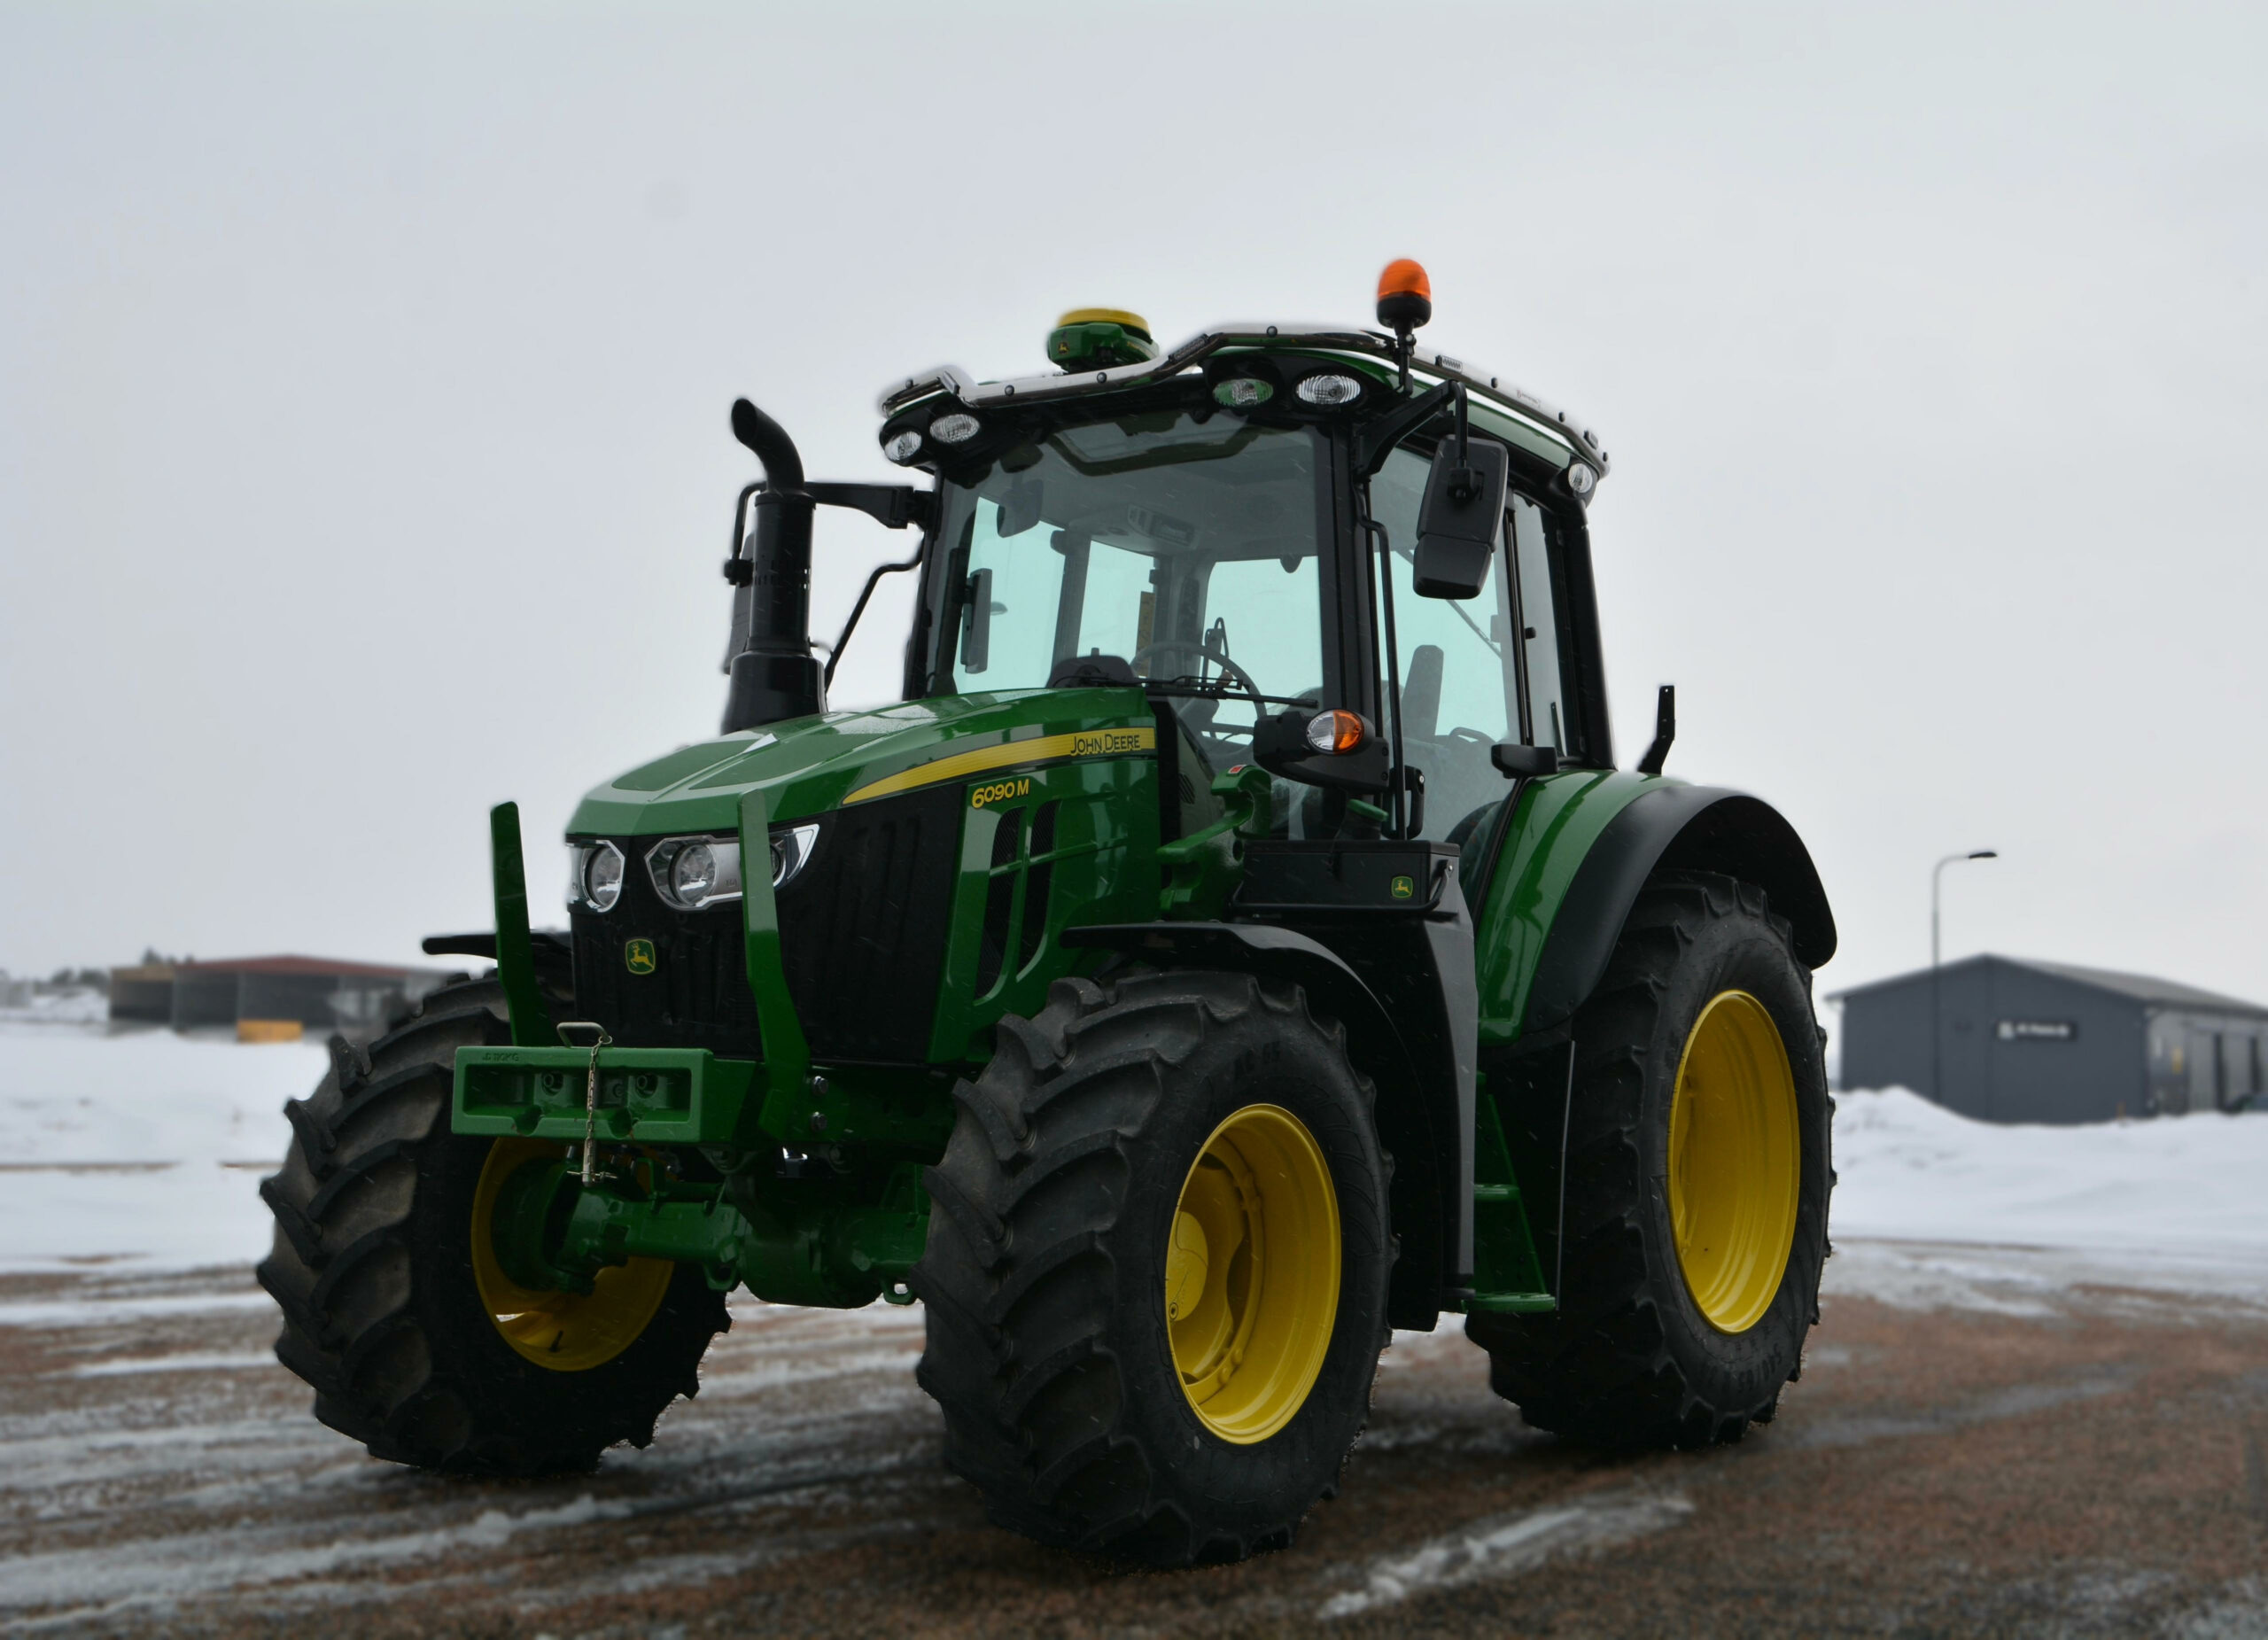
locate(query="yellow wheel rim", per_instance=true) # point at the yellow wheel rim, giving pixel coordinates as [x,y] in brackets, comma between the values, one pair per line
[1734,1163]
[565,1332]
[1251,1273]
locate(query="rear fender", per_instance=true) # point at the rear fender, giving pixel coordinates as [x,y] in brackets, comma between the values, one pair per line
[1672,828]
[1416,1114]
[1592,840]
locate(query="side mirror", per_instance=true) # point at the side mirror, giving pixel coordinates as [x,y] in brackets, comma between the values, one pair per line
[1286,746]
[1513,760]
[976,624]
[1462,521]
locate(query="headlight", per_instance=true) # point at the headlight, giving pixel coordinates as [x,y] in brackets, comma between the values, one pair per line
[597,876]
[791,846]
[689,872]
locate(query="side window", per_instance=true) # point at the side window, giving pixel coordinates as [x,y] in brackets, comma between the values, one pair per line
[1538,614]
[1459,695]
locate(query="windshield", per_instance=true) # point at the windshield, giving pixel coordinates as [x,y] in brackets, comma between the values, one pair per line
[1181,545]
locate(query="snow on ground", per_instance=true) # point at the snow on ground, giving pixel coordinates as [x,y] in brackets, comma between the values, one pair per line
[144,1148]
[2194,1186]
[147,1148]
[57,1008]
[1932,1209]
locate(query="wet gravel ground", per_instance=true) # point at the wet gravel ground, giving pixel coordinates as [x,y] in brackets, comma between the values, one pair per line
[1983,1443]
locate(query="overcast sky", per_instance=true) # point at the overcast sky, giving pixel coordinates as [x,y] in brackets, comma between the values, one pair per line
[363,376]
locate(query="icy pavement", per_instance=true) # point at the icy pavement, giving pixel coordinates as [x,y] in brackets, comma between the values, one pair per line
[1948,1471]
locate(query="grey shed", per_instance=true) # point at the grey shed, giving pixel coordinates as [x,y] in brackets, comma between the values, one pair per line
[2020,1040]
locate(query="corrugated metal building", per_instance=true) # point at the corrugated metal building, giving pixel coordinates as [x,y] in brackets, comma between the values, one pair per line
[2023,1041]
[270,997]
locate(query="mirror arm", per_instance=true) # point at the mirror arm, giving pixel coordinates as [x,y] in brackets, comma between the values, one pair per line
[835,655]
[1464,484]
[893,506]
[1374,441]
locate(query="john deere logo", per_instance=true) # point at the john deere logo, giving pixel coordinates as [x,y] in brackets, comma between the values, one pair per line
[638,955]
[1401,888]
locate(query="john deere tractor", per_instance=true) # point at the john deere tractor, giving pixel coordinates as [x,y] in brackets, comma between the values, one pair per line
[1237,943]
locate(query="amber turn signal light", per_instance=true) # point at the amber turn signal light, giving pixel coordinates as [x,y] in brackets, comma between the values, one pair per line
[1335,732]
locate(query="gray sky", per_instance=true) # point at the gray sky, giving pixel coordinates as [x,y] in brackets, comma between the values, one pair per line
[364,375]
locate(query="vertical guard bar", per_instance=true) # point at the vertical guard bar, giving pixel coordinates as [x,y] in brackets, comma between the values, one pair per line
[515,951]
[787,1056]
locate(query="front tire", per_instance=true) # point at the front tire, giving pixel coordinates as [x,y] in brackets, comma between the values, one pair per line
[1697,1183]
[1156,1269]
[394,1309]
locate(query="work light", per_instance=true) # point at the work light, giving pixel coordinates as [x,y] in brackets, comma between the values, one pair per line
[954,428]
[1329,387]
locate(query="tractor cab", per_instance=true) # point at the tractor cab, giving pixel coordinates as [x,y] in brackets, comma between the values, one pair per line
[1237,529]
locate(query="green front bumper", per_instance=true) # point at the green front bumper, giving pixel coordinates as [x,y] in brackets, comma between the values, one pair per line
[654,1096]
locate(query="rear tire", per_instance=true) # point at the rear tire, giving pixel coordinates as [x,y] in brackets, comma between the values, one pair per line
[374,1267]
[1063,1212]
[1660,1338]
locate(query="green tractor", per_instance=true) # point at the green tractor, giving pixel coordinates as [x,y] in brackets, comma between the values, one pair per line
[1237,943]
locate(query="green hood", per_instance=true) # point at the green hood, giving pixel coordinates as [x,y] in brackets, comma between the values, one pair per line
[810,765]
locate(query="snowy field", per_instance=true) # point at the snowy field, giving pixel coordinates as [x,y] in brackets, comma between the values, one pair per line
[144,1149]
[147,1149]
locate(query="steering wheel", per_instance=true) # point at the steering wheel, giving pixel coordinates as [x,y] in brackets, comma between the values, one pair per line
[1229,670]
[1222,740]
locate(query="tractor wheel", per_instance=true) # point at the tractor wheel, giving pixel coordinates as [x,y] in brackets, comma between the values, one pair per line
[1697,1183]
[1156,1271]
[395,1308]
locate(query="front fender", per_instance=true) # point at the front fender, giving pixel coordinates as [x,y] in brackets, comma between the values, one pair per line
[1417,1115]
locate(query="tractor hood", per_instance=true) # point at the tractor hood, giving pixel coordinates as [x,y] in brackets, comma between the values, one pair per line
[810,765]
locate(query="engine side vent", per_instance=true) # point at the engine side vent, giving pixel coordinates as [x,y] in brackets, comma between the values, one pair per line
[999,901]
[1037,881]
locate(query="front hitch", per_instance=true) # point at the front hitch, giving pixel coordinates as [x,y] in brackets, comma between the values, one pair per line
[553,1233]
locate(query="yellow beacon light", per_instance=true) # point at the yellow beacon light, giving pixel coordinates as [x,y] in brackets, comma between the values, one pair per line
[1091,339]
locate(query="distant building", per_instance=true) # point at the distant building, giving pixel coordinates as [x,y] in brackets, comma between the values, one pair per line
[2026,1041]
[267,999]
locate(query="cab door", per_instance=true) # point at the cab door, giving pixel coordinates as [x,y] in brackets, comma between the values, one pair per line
[1472,671]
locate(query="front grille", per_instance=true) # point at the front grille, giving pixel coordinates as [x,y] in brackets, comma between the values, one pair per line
[862,937]
[697,996]
[863,926]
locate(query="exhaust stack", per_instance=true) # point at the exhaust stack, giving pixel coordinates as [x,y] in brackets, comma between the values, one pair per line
[774,674]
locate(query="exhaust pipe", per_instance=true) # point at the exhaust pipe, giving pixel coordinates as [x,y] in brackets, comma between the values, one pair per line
[775,675]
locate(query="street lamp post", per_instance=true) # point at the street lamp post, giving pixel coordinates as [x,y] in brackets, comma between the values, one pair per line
[1937,1029]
